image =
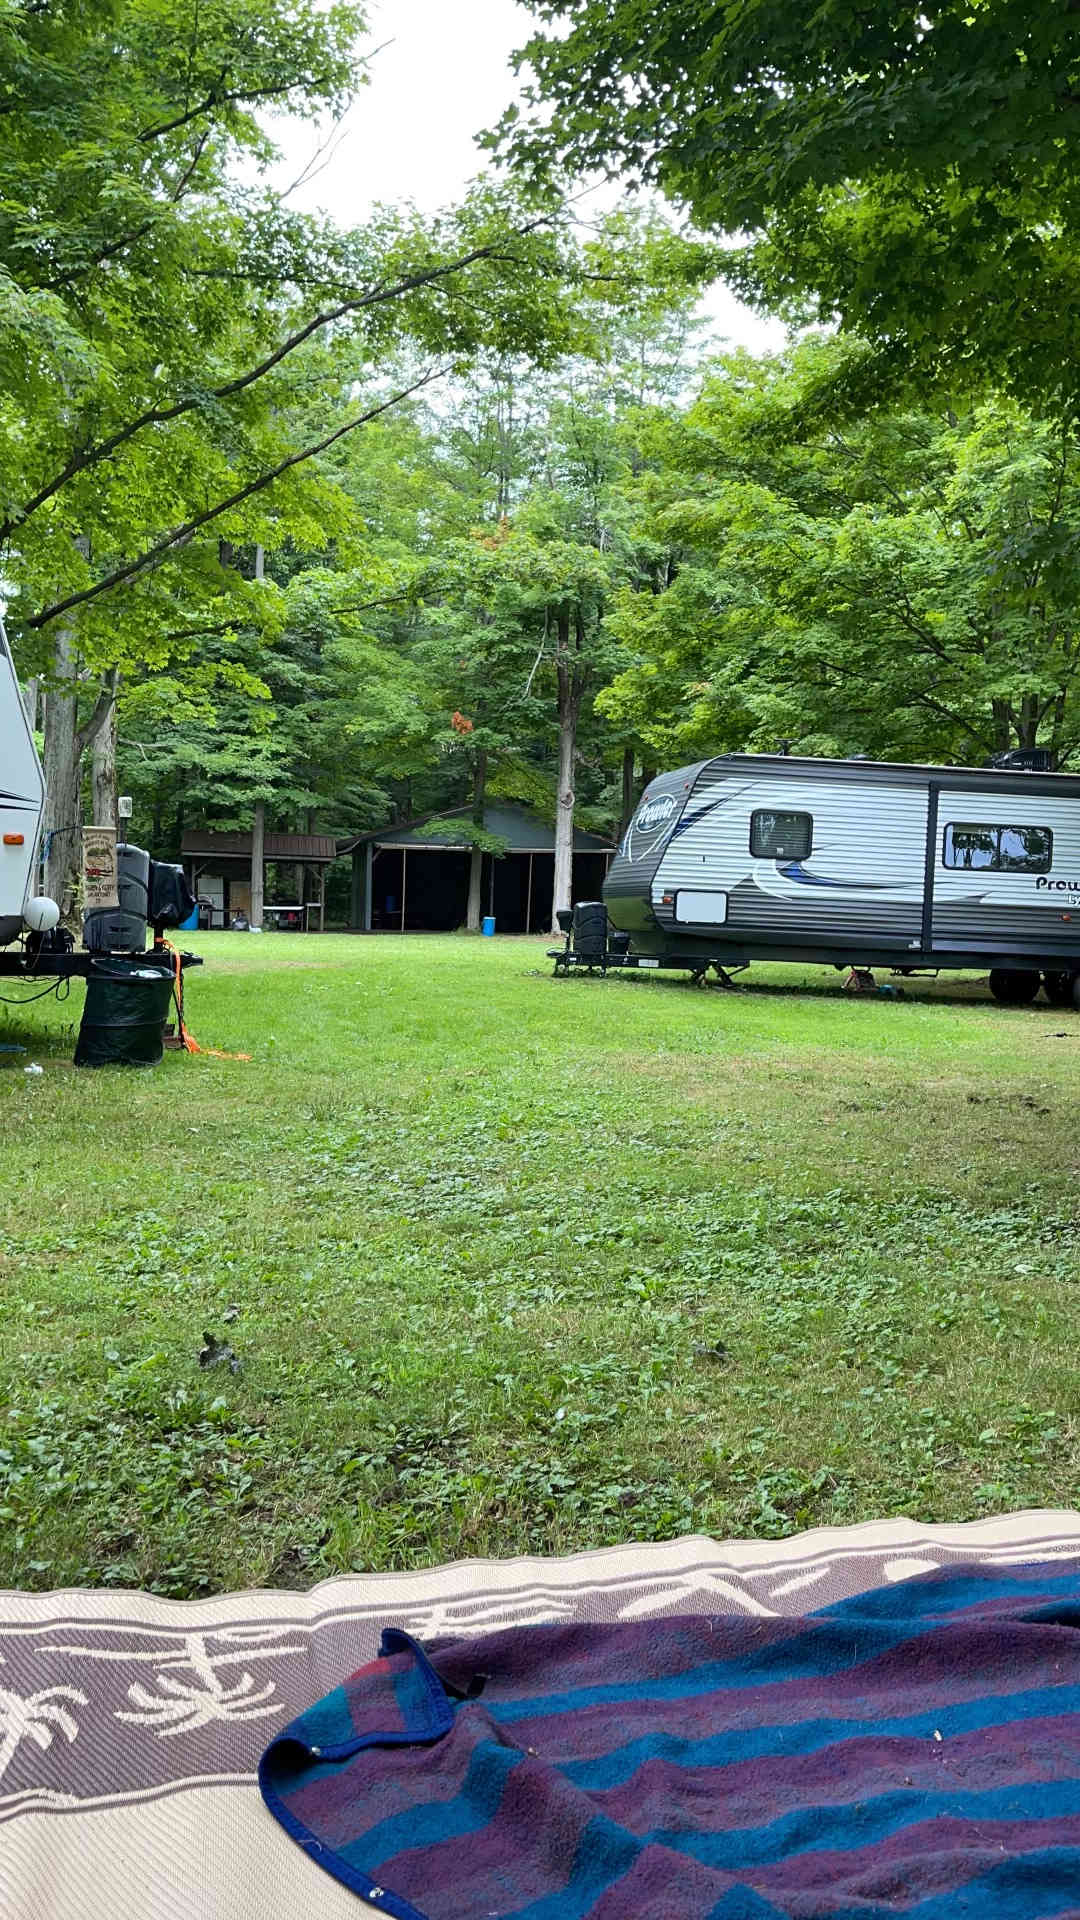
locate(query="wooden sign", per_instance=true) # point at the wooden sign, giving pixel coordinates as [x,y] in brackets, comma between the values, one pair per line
[99,868]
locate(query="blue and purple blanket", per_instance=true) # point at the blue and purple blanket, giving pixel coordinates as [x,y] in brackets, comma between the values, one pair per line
[915,1751]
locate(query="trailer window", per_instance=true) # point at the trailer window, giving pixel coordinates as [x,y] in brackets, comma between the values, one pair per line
[975,846]
[781,836]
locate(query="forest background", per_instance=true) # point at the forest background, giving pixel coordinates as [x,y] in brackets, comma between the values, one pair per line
[329,527]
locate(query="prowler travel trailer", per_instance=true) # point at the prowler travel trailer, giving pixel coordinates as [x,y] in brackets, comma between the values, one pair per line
[856,863]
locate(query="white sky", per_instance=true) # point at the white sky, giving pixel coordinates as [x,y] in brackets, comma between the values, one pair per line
[443,75]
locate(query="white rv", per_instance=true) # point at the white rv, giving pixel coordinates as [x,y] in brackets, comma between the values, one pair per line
[22,797]
[851,862]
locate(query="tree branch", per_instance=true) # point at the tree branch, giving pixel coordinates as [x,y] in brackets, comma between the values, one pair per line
[923,699]
[181,535]
[368,606]
[139,233]
[216,99]
[90,728]
[159,416]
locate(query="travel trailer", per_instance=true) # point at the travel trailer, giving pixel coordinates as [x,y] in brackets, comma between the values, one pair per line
[857,863]
[147,892]
[22,797]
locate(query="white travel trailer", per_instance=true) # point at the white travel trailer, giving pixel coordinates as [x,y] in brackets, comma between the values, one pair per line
[22,797]
[857,863]
[128,989]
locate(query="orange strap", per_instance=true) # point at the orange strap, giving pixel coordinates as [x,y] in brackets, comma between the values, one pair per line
[188,1040]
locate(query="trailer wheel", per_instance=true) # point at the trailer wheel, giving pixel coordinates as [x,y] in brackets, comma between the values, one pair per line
[1059,988]
[1014,986]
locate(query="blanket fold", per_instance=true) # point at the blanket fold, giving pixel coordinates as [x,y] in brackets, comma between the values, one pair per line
[914,1751]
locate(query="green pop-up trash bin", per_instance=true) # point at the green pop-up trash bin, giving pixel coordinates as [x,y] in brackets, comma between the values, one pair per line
[127,1005]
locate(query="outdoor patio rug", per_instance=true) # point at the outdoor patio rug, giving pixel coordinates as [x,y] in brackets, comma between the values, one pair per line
[131,1727]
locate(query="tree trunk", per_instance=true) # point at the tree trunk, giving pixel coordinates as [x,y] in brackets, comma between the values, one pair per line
[1028,728]
[62,820]
[299,879]
[1002,713]
[258,842]
[571,688]
[30,692]
[476,863]
[627,811]
[103,772]
[65,744]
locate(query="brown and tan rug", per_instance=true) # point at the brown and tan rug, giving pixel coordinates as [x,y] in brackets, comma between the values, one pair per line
[130,1727]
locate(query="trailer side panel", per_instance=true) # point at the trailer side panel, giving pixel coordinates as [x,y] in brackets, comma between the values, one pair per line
[22,796]
[1007,873]
[796,859]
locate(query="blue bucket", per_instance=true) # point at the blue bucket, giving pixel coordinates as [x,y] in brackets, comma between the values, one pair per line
[488,925]
[191,924]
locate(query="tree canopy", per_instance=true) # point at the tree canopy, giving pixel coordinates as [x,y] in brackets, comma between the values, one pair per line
[174,344]
[183,360]
[904,585]
[913,171]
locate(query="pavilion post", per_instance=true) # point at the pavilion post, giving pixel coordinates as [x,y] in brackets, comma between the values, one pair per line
[404,859]
[528,899]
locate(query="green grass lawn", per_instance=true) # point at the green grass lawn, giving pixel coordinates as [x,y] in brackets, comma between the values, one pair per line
[520,1264]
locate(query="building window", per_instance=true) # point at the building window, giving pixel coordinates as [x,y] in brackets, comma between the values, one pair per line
[977,847]
[781,836]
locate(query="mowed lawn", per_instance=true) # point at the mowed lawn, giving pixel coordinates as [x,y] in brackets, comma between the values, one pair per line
[511,1264]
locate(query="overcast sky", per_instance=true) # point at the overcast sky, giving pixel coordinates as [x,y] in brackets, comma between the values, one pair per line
[443,75]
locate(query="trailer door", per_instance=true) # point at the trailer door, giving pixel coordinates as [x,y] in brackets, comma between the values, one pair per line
[1006,874]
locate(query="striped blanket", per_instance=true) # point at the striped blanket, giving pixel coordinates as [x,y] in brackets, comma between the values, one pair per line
[913,1750]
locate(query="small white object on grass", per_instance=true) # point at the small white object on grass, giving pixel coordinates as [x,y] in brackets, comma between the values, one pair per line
[33,1068]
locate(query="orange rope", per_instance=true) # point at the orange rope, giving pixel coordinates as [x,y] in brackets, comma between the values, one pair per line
[188,1040]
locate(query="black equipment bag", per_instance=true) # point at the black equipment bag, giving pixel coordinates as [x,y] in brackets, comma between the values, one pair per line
[171,899]
[127,1005]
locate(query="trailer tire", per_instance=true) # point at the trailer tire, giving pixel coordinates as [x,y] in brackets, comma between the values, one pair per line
[1014,986]
[1059,988]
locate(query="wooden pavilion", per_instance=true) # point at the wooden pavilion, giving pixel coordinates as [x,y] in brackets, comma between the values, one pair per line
[413,878]
[228,877]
